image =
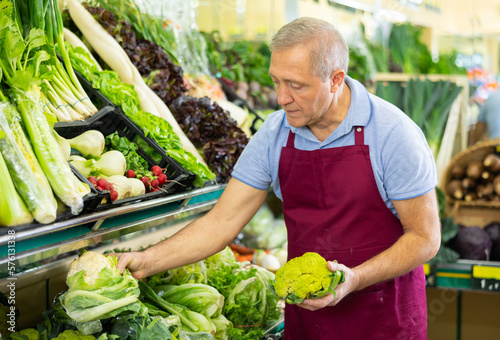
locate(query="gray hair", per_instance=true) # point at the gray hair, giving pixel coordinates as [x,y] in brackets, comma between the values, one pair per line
[329,51]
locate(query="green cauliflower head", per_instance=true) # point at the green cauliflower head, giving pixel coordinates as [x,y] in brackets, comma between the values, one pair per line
[73,335]
[305,277]
[26,334]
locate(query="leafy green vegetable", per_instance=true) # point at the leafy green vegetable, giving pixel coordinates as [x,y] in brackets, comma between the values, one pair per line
[209,127]
[42,19]
[198,297]
[249,300]
[97,290]
[239,61]
[191,321]
[25,334]
[125,97]
[14,211]
[141,327]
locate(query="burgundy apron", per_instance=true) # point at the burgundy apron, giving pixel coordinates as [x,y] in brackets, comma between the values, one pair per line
[332,206]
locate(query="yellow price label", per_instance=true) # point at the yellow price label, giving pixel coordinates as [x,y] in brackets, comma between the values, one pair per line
[427,269]
[486,272]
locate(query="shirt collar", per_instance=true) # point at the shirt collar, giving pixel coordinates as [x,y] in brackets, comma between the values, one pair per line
[358,114]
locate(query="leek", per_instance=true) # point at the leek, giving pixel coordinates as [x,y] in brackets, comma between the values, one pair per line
[14,212]
[38,202]
[48,153]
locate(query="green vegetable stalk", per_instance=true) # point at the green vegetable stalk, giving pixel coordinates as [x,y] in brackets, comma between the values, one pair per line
[198,297]
[39,203]
[14,120]
[14,211]
[191,321]
[47,151]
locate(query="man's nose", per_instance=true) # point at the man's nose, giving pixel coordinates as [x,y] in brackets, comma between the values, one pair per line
[284,96]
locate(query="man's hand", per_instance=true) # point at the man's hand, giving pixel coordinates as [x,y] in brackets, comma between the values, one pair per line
[134,261]
[341,291]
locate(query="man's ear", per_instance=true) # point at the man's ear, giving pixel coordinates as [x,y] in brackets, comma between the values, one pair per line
[336,80]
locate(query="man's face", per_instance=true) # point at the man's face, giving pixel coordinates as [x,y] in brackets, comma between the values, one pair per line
[305,97]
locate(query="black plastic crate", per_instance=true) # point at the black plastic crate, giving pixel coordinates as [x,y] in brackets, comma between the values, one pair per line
[112,120]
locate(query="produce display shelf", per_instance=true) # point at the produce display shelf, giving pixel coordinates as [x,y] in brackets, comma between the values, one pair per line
[276,330]
[468,275]
[81,231]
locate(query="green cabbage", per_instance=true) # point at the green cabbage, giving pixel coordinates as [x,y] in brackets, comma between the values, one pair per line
[97,290]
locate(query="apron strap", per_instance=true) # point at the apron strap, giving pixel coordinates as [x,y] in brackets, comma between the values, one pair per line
[359,136]
[291,139]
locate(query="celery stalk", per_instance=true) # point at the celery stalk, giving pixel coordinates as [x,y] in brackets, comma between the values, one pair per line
[47,151]
[14,120]
[14,212]
[29,188]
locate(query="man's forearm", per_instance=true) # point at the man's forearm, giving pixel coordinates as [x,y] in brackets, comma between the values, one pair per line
[195,242]
[410,251]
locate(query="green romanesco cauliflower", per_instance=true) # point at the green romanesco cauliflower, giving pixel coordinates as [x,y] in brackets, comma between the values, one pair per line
[26,334]
[74,335]
[306,277]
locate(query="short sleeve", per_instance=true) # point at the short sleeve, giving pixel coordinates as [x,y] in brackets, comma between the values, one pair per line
[409,168]
[253,165]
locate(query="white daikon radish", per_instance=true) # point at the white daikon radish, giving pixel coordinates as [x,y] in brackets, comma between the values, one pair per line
[74,41]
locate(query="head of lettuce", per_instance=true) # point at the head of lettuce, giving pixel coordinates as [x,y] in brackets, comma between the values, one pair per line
[97,290]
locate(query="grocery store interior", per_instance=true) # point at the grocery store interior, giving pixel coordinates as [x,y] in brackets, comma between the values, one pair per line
[124,120]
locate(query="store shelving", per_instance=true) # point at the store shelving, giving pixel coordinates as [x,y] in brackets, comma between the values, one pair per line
[32,245]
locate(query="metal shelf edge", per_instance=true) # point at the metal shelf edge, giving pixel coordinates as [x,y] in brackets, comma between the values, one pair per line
[101,215]
[96,237]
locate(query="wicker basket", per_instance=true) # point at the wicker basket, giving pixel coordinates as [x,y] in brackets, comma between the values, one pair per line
[475,153]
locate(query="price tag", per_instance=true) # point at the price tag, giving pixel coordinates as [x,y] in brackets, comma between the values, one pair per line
[427,269]
[486,272]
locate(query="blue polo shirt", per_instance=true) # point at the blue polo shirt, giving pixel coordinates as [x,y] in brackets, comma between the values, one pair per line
[401,159]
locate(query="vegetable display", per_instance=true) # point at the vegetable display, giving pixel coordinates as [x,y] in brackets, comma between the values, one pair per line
[306,277]
[476,181]
[209,127]
[235,301]
[249,301]
[39,23]
[206,125]
[115,57]
[427,103]
[125,96]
